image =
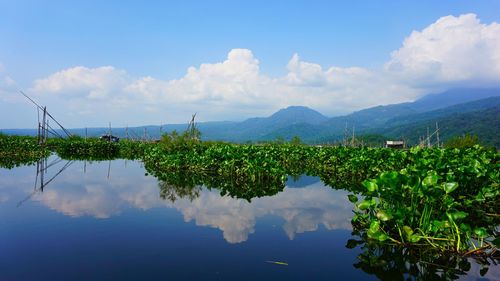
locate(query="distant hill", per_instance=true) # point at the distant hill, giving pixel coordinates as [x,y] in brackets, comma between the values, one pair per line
[367,120]
[260,128]
[452,97]
[484,123]
[404,119]
[443,112]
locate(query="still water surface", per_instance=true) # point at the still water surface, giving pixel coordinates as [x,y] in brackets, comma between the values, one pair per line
[109,221]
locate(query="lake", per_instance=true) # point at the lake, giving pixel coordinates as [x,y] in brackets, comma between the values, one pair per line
[109,220]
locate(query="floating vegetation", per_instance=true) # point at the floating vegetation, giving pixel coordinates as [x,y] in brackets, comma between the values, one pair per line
[77,148]
[18,150]
[443,199]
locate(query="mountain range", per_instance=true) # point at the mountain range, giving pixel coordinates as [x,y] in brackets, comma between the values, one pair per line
[456,112]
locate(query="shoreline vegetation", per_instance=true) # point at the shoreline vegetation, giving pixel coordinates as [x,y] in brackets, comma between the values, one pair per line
[442,199]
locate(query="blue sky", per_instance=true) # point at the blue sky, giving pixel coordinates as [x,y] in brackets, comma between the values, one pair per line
[138,51]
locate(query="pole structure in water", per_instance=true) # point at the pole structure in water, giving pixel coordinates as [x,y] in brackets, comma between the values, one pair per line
[44,122]
[437,135]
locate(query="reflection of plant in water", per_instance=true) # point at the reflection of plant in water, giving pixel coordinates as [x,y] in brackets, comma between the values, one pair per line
[173,192]
[185,183]
[394,262]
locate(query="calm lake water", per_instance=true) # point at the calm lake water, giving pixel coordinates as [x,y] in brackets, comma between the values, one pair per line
[108,221]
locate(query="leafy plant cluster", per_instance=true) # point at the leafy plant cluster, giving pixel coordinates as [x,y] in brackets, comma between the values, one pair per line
[78,148]
[20,150]
[445,198]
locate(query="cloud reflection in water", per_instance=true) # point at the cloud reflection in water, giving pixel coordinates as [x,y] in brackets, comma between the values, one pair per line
[92,194]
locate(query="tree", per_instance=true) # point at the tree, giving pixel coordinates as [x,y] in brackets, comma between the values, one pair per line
[462,141]
[296,141]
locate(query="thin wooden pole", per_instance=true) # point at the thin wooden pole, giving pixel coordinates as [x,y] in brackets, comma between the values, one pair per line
[39,125]
[44,122]
[437,135]
[352,141]
[428,138]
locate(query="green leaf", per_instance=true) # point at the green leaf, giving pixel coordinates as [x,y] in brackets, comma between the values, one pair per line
[414,238]
[382,237]
[371,186]
[384,215]
[450,186]
[408,231]
[430,180]
[375,225]
[459,215]
[353,198]
[373,234]
[365,204]
[480,232]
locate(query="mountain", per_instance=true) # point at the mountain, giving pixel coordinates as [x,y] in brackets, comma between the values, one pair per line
[259,128]
[366,120]
[452,97]
[447,111]
[379,115]
[484,123]
[311,126]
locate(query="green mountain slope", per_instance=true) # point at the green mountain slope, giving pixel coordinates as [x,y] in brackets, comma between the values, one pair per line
[484,123]
[313,127]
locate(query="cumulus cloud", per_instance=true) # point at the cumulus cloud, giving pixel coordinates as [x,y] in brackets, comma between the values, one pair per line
[92,83]
[452,51]
[232,89]
[305,73]
[233,81]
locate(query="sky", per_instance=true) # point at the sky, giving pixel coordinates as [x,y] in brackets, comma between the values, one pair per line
[157,62]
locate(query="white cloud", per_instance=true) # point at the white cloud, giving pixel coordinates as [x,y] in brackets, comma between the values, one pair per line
[452,51]
[91,83]
[305,73]
[235,80]
[232,89]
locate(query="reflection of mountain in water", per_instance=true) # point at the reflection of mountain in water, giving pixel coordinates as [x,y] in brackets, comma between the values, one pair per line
[76,194]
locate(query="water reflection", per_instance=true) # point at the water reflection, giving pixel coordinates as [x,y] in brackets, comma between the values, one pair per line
[390,262]
[109,191]
[302,210]
[103,192]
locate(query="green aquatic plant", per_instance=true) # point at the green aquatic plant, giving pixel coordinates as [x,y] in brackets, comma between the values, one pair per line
[447,200]
[77,148]
[20,150]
